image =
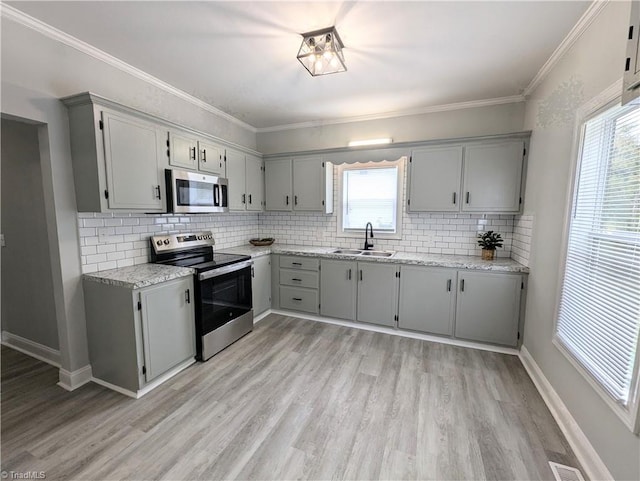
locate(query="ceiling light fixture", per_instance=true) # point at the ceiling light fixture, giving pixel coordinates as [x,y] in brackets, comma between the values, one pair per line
[361,143]
[321,52]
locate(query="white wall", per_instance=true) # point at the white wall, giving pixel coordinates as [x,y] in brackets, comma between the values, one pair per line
[593,63]
[28,308]
[469,122]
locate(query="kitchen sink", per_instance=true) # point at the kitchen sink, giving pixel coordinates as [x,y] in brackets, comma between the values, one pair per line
[376,253]
[362,252]
[353,252]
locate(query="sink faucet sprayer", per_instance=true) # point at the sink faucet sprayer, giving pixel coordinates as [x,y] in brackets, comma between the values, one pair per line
[368,245]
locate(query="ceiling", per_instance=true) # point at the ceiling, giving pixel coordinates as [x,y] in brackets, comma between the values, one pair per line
[240,57]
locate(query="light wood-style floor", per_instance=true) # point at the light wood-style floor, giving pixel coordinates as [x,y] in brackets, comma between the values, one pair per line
[295,399]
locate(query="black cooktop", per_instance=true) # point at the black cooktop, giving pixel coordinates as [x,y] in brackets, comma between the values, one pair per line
[207,262]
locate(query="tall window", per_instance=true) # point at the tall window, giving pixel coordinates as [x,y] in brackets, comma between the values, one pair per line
[370,192]
[599,312]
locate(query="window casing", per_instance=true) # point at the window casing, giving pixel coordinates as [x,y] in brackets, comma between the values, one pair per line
[370,192]
[598,319]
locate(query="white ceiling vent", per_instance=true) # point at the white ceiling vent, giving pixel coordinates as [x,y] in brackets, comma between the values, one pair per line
[565,473]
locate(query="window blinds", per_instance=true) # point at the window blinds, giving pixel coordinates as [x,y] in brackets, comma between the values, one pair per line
[599,314]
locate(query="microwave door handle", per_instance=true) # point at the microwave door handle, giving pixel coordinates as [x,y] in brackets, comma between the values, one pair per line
[216,195]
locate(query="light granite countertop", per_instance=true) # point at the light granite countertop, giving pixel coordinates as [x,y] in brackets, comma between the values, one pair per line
[141,275]
[499,264]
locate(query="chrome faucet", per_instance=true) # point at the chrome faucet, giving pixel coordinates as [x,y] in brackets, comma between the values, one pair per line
[368,245]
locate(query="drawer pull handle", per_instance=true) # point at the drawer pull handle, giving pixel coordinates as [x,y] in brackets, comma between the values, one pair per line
[299,280]
[296,264]
[296,298]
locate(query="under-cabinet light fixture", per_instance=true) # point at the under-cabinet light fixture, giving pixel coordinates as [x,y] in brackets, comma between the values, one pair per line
[361,143]
[321,52]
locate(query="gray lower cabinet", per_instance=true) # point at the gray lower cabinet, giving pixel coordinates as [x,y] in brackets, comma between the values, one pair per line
[338,288]
[377,293]
[488,307]
[135,336]
[427,299]
[298,280]
[261,284]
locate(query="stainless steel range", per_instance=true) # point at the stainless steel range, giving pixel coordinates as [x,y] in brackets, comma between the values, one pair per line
[222,283]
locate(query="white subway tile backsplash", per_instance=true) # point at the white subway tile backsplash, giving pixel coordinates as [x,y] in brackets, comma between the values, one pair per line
[522,231]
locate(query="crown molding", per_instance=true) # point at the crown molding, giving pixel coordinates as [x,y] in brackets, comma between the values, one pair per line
[53,33]
[404,113]
[576,32]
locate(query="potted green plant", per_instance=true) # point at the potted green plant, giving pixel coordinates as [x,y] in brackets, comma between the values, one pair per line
[489,241]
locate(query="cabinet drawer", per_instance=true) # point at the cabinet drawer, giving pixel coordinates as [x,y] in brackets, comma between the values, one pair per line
[299,299]
[297,278]
[305,263]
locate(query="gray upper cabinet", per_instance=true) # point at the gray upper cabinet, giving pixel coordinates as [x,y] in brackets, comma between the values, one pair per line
[168,325]
[237,175]
[132,148]
[488,307]
[308,184]
[254,183]
[246,181]
[338,288]
[492,176]
[377,293]
[278,180]
[435,179]
[301,184]
[211,158]
[631,78]
[183,150]
[427,299]
[261,284]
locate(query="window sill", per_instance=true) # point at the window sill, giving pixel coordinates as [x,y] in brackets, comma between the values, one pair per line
[377,235]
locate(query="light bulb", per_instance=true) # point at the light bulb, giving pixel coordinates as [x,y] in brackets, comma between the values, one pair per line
[334,62]
[319,66]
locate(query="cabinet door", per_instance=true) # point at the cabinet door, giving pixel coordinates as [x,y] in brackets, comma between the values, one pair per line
[168,325]
[488,307]
[434,179]
[261,284]
[427,299]
[492,177]
[377,293]
[338,288]
[211,158]
[254,183]
[132,149]
[277,181]
[183,150]
[308,184]
[631,79]
[236,174]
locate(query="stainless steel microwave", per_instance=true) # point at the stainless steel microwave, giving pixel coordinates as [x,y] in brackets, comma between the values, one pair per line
[192,192]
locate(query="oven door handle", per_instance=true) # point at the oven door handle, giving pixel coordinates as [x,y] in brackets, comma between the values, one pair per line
[224,270]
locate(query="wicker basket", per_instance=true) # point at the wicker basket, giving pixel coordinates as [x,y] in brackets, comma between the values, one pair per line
[262,242]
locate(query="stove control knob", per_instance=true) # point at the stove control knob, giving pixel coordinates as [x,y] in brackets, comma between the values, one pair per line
[166,242]
[209,236]
[159,242]
[199,237]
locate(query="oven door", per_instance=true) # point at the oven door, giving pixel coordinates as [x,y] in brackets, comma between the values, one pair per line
[224,295]
[190,192]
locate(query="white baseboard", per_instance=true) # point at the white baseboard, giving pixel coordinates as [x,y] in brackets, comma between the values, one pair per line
[149,387]
[73,380]
[259,317]
[584,451]
[30,348]
[396,332]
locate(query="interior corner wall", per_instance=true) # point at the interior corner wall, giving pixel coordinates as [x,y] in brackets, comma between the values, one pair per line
[26,263]
[592,64]
[468,122]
